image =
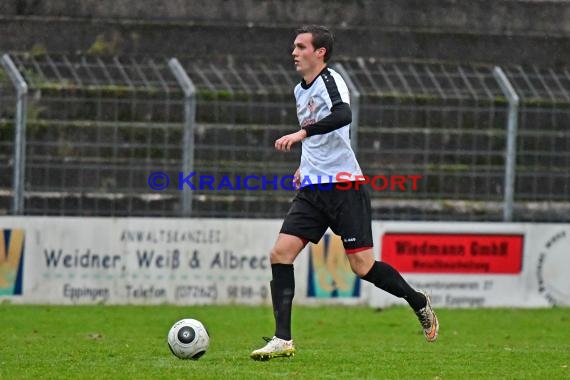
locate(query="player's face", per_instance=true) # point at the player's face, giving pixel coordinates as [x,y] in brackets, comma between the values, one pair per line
[305,56]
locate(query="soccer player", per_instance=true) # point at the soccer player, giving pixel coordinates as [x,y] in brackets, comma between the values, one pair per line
[324,114]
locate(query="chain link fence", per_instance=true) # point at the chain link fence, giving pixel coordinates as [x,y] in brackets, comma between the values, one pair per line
[542,188]
[443,122]
[243,107]
[97,128]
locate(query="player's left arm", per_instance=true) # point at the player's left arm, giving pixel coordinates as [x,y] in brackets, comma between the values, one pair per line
[340,116]
[336,96]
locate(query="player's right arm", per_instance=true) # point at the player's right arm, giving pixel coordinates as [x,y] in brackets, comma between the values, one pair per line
[285,143]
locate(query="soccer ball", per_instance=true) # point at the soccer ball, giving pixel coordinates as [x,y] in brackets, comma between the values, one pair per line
[188,339]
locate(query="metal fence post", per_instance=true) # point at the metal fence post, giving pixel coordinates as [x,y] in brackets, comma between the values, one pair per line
[20,138]
[511,154]
[354,105]
[189,121]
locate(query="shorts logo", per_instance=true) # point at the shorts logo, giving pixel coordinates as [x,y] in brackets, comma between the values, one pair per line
[11,261]
[553,261]
[330,275]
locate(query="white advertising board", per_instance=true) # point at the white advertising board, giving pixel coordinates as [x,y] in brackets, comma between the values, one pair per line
[143,261]
[223,261]
[478,264]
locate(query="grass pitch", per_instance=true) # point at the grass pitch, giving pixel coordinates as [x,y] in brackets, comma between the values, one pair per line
[125,342]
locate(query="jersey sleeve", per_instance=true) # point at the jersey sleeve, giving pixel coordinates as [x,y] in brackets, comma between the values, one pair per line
[339,117]
[335,88]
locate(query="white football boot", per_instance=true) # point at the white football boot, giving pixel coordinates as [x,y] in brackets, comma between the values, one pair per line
[428,320]
[274,348]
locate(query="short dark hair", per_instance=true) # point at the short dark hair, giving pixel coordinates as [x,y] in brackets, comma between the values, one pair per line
[322,38]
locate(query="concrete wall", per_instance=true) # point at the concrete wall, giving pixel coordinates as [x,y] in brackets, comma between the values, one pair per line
[484,16]
[459,30]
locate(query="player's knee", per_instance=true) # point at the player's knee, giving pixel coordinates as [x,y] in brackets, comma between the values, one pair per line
[359,267]
[274,255]
[281,256]
[360,263]
[360,271]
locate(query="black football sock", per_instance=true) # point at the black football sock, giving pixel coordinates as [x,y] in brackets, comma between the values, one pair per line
[274,300]
[385,277]
[283,291]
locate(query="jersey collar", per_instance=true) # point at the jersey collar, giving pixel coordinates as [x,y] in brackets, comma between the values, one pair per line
[306,86]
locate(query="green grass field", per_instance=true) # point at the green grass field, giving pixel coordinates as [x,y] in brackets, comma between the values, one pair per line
[332,342]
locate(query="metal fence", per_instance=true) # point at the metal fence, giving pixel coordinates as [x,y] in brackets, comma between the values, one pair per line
[96,128]
[7,105]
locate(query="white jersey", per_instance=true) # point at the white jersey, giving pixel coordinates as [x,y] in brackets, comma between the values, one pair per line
[324,156]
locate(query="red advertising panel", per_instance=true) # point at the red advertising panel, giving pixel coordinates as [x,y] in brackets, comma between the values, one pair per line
[453,253]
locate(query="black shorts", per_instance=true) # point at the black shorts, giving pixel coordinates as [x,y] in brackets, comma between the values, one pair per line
[346,212]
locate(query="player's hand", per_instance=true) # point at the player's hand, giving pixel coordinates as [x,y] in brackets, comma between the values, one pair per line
[297,178]
[285,143]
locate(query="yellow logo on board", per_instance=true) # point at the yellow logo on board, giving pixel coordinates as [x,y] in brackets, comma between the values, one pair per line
[11,252]
[330,275]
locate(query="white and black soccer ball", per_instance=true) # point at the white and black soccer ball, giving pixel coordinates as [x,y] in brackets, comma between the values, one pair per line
[188,339]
